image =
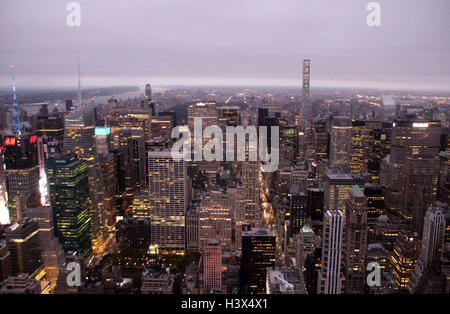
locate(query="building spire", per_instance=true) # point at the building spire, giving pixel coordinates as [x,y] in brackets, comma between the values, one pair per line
[17,129]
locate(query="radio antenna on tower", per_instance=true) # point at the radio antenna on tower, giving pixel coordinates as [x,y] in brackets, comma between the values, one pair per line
[16,110]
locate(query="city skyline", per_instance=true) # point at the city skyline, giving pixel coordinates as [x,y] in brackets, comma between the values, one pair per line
[241,149]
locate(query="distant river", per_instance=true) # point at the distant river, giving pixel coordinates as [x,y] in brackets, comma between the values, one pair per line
[124,96]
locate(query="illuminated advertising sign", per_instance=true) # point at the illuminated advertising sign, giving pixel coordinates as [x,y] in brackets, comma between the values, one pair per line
[420,125]
[10,141]
[102,130]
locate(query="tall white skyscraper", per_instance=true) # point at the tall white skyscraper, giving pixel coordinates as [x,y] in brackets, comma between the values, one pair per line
[168,198]
[433,235]
[432,246]
[330,277]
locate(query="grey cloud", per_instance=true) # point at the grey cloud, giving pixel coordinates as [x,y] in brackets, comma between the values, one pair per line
[205,40]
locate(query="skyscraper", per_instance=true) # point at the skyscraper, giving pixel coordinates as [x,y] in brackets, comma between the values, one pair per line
[168,198]
[79,139]
[375,203]
[128,118]
[229,116]
[108,169]
[357,147]
[298,210]
[331,278]
[140,208]
[306,108]
[161,126]
[419,190]
[212,266]
[432,247]
[69,194]
[216,216]
[336,188]
[320,140]
[378,143]
[132,148]
[258,253]
[315,203]
[414,138]
[433,235]
[414,143]
[249,194]
[205,110]
[24,246]
[51,250]
[356,241]
[403,257]
[340,142]
[148,92]
[21,173]
[102,139]
[50,127]
[69,104]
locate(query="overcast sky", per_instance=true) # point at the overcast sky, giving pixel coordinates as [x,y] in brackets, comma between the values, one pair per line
[227,42]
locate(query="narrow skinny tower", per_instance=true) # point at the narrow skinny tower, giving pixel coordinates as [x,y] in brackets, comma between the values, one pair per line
[306,100]
[16,111]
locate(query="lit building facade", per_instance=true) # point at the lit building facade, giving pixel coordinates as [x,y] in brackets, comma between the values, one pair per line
[375,204]
[51,250]
[79,139]
[355,241]
[340,142]
[216,219]
[21,169]
[24,245]
[336,188]
[69,194]
[258,253]
[403,257]
[357,150]
[212,267]
[168,198]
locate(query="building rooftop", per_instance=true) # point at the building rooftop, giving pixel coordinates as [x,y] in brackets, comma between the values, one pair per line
[375,246]
[356,191]
[285,281]
[262,232]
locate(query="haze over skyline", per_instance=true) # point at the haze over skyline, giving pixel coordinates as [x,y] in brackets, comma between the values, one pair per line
[232,42]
